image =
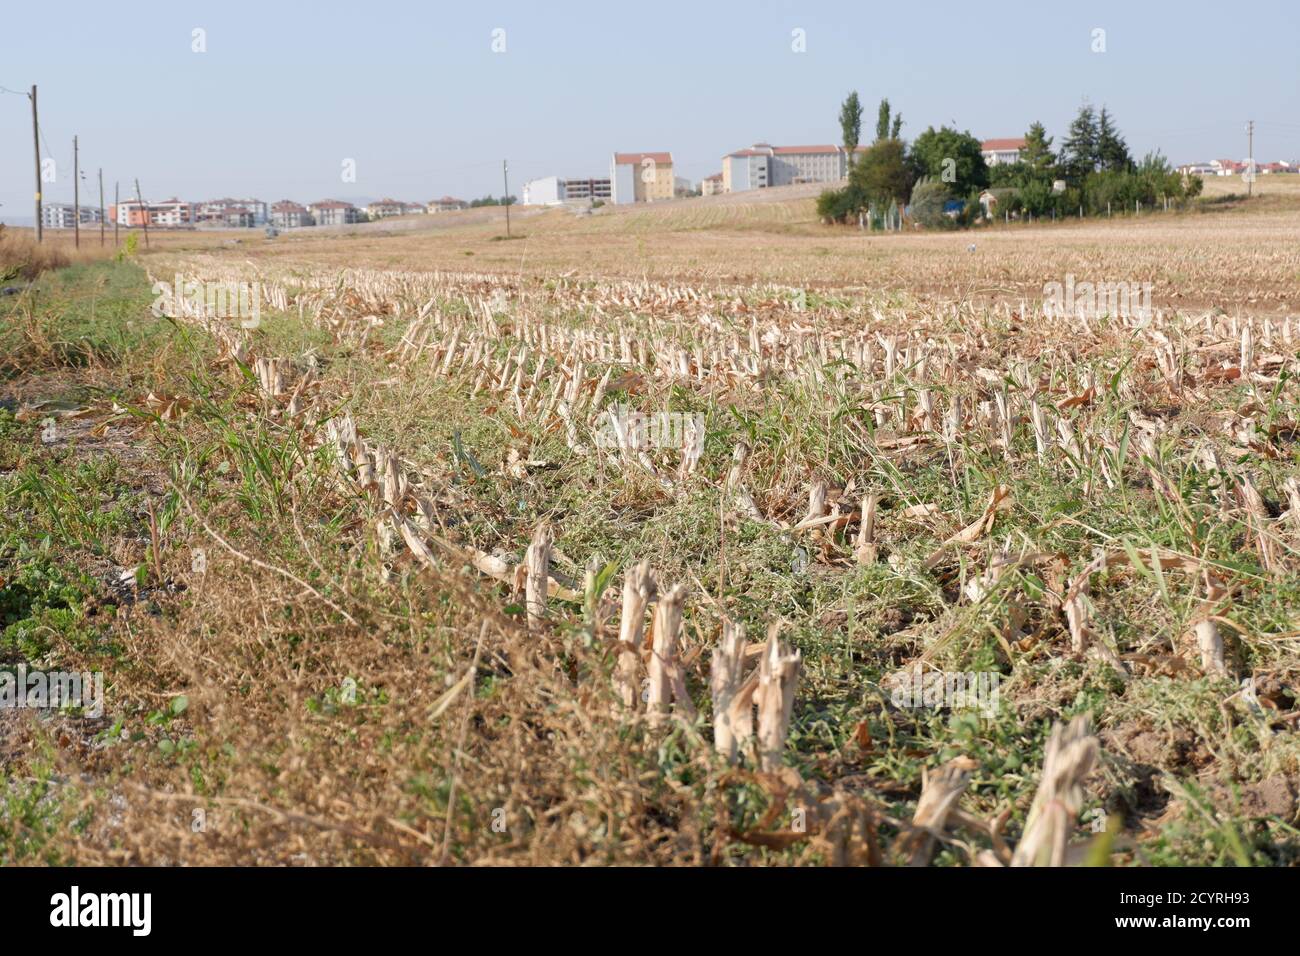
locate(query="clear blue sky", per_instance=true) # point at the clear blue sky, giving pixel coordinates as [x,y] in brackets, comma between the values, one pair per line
[414,94]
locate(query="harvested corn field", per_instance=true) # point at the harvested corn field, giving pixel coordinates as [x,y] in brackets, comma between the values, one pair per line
[475,567]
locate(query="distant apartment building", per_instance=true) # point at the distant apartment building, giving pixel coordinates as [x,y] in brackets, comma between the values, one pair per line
[1001,152]
[552,190]
[745,169]
[332,212]
[711,185]
[641,177]
[807,164]
[383,208]
[58,215]
[590,188]
[290,215]
[63,215]
[547,191]
[235,213]
[1231,167]
[170,213]
[231,213]
[763,165]
[447,204]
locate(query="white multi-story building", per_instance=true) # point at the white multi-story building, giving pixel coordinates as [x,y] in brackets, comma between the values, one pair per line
[746,169]
[763,165]
[552,190]
[332,212]
[547,191]
[173,212]
[290,215]
[168,213]
[1001,152]
[234,213]
[807,164]
[63,215]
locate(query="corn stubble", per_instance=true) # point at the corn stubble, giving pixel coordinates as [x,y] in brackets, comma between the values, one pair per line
[602,693]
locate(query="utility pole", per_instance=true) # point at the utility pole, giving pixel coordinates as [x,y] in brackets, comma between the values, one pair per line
[144,213]
[117,201]
[101,205]
[36,142]
[76,194]
[1250,157]
[505,176]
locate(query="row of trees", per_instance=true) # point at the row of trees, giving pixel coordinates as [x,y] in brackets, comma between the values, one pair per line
[1093,171]
[878,177]
[942,173]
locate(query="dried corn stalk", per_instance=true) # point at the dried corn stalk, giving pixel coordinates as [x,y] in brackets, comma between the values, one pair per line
[537,580]
[778,678]
[939,794]
[667,679]
[638,588]
[733,696]
[1069,756]
[865,549]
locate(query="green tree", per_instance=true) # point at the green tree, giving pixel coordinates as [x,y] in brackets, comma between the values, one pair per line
[1037,153]
[928,199]
[882,175]
[1112,151]
[1036,198]
[882,121]
[951,158]
[837,205]
[1079,151]
[851,123]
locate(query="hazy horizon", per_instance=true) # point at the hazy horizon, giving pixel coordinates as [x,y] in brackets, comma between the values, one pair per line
[416,96]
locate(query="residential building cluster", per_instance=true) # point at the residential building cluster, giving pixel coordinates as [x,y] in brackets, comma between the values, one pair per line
[997,152]
[1231,167]
[63,215]
[649,176]
[633,177]
[239,213]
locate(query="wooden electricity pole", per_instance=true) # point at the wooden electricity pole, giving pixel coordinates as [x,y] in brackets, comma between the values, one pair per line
[1250,157]
[117,202]
[36,142]
[101,205]
[76,194]
[505,176]
[144,213]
